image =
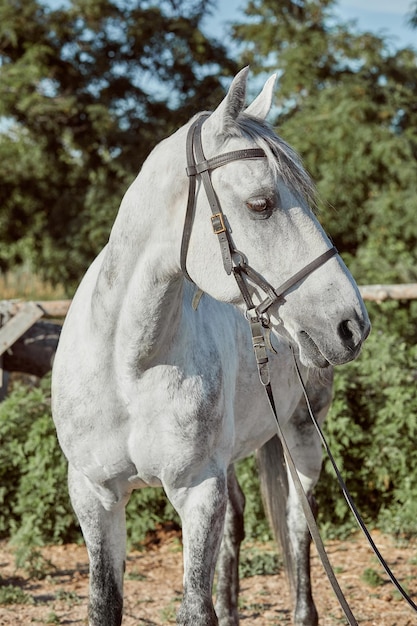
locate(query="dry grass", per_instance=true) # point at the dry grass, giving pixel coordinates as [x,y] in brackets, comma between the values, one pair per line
[23,284]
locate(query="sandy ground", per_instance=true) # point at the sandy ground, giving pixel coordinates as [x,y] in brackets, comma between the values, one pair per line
[153,586]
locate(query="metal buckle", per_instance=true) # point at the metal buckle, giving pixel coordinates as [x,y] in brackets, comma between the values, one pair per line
[218,224]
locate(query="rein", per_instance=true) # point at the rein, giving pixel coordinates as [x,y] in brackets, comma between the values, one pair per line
[234,262]
[348,497]
[309,515]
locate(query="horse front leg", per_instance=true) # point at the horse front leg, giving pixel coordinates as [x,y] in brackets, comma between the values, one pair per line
[202,509]
[104,533]
[228,563]
[306,451]
[305,612]
[287,519]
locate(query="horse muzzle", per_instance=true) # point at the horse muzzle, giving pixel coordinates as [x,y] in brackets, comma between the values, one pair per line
[321,348]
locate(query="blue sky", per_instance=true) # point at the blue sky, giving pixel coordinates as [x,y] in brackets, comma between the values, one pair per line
[387,17]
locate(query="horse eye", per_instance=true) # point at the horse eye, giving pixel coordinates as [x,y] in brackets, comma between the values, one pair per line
[259,205]
[261,208]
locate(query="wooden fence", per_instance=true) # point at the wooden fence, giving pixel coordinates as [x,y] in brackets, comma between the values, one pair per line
[379,293]
[28,344]
[59,308]
[22,315]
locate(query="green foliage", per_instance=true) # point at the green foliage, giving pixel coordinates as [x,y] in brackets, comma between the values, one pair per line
[256,525]
[34,505]
[11,594]
[346,102]
[147,509]
[32,561]
[259,562]
[86,91]
[70,597]
[372,578]
[371,430]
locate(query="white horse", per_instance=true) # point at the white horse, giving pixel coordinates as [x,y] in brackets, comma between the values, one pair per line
[154,385]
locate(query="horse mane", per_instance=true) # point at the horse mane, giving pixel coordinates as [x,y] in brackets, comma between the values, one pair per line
[284,161]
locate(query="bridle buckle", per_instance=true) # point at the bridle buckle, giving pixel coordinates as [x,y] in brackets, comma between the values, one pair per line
[218,225]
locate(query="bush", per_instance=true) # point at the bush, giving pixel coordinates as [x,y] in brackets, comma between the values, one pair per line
[256,525]
[34,505]
[371,430]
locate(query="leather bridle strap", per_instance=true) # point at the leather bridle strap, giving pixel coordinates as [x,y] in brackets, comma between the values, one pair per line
[274,295]
[347,495]
[309,515]
[198,165]
[263,369]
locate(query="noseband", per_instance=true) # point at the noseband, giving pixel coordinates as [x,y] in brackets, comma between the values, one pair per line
[233,260]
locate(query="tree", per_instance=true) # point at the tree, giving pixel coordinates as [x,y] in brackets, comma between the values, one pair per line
[412,15]
[85,92]
[347,103]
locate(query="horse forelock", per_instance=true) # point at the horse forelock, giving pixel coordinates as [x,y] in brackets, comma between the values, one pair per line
[284,161]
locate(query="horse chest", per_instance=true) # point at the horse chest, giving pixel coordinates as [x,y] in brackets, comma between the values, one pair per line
[176,412]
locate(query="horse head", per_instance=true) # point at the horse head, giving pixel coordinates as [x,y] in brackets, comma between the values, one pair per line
[259,196]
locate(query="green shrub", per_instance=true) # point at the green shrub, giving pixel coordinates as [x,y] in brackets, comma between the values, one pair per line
[371,430]
[11,594]
[372,578]
[34,505]
[147,509]
[259,562]
[256,525]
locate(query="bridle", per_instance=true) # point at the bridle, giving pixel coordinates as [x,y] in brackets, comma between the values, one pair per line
[234,262]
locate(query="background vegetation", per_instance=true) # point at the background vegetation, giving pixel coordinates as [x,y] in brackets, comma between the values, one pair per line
[86,91]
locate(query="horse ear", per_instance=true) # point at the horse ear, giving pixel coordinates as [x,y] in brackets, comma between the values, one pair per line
[231,106]
[261,106]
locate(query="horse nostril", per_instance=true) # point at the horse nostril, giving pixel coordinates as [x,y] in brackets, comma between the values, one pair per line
[353,333]
[345,331]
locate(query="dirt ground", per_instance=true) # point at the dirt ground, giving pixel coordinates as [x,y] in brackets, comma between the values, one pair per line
[153,586]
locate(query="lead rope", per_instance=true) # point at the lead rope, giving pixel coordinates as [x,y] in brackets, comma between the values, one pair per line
[348,497]
[261,356]
[262,362]
[258,318]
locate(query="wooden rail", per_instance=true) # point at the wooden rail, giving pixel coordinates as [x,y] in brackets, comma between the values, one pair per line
[28,344]
[54,308]
[379,293]
[375,293]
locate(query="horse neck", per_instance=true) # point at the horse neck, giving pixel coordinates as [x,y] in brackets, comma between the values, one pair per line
[139,288]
